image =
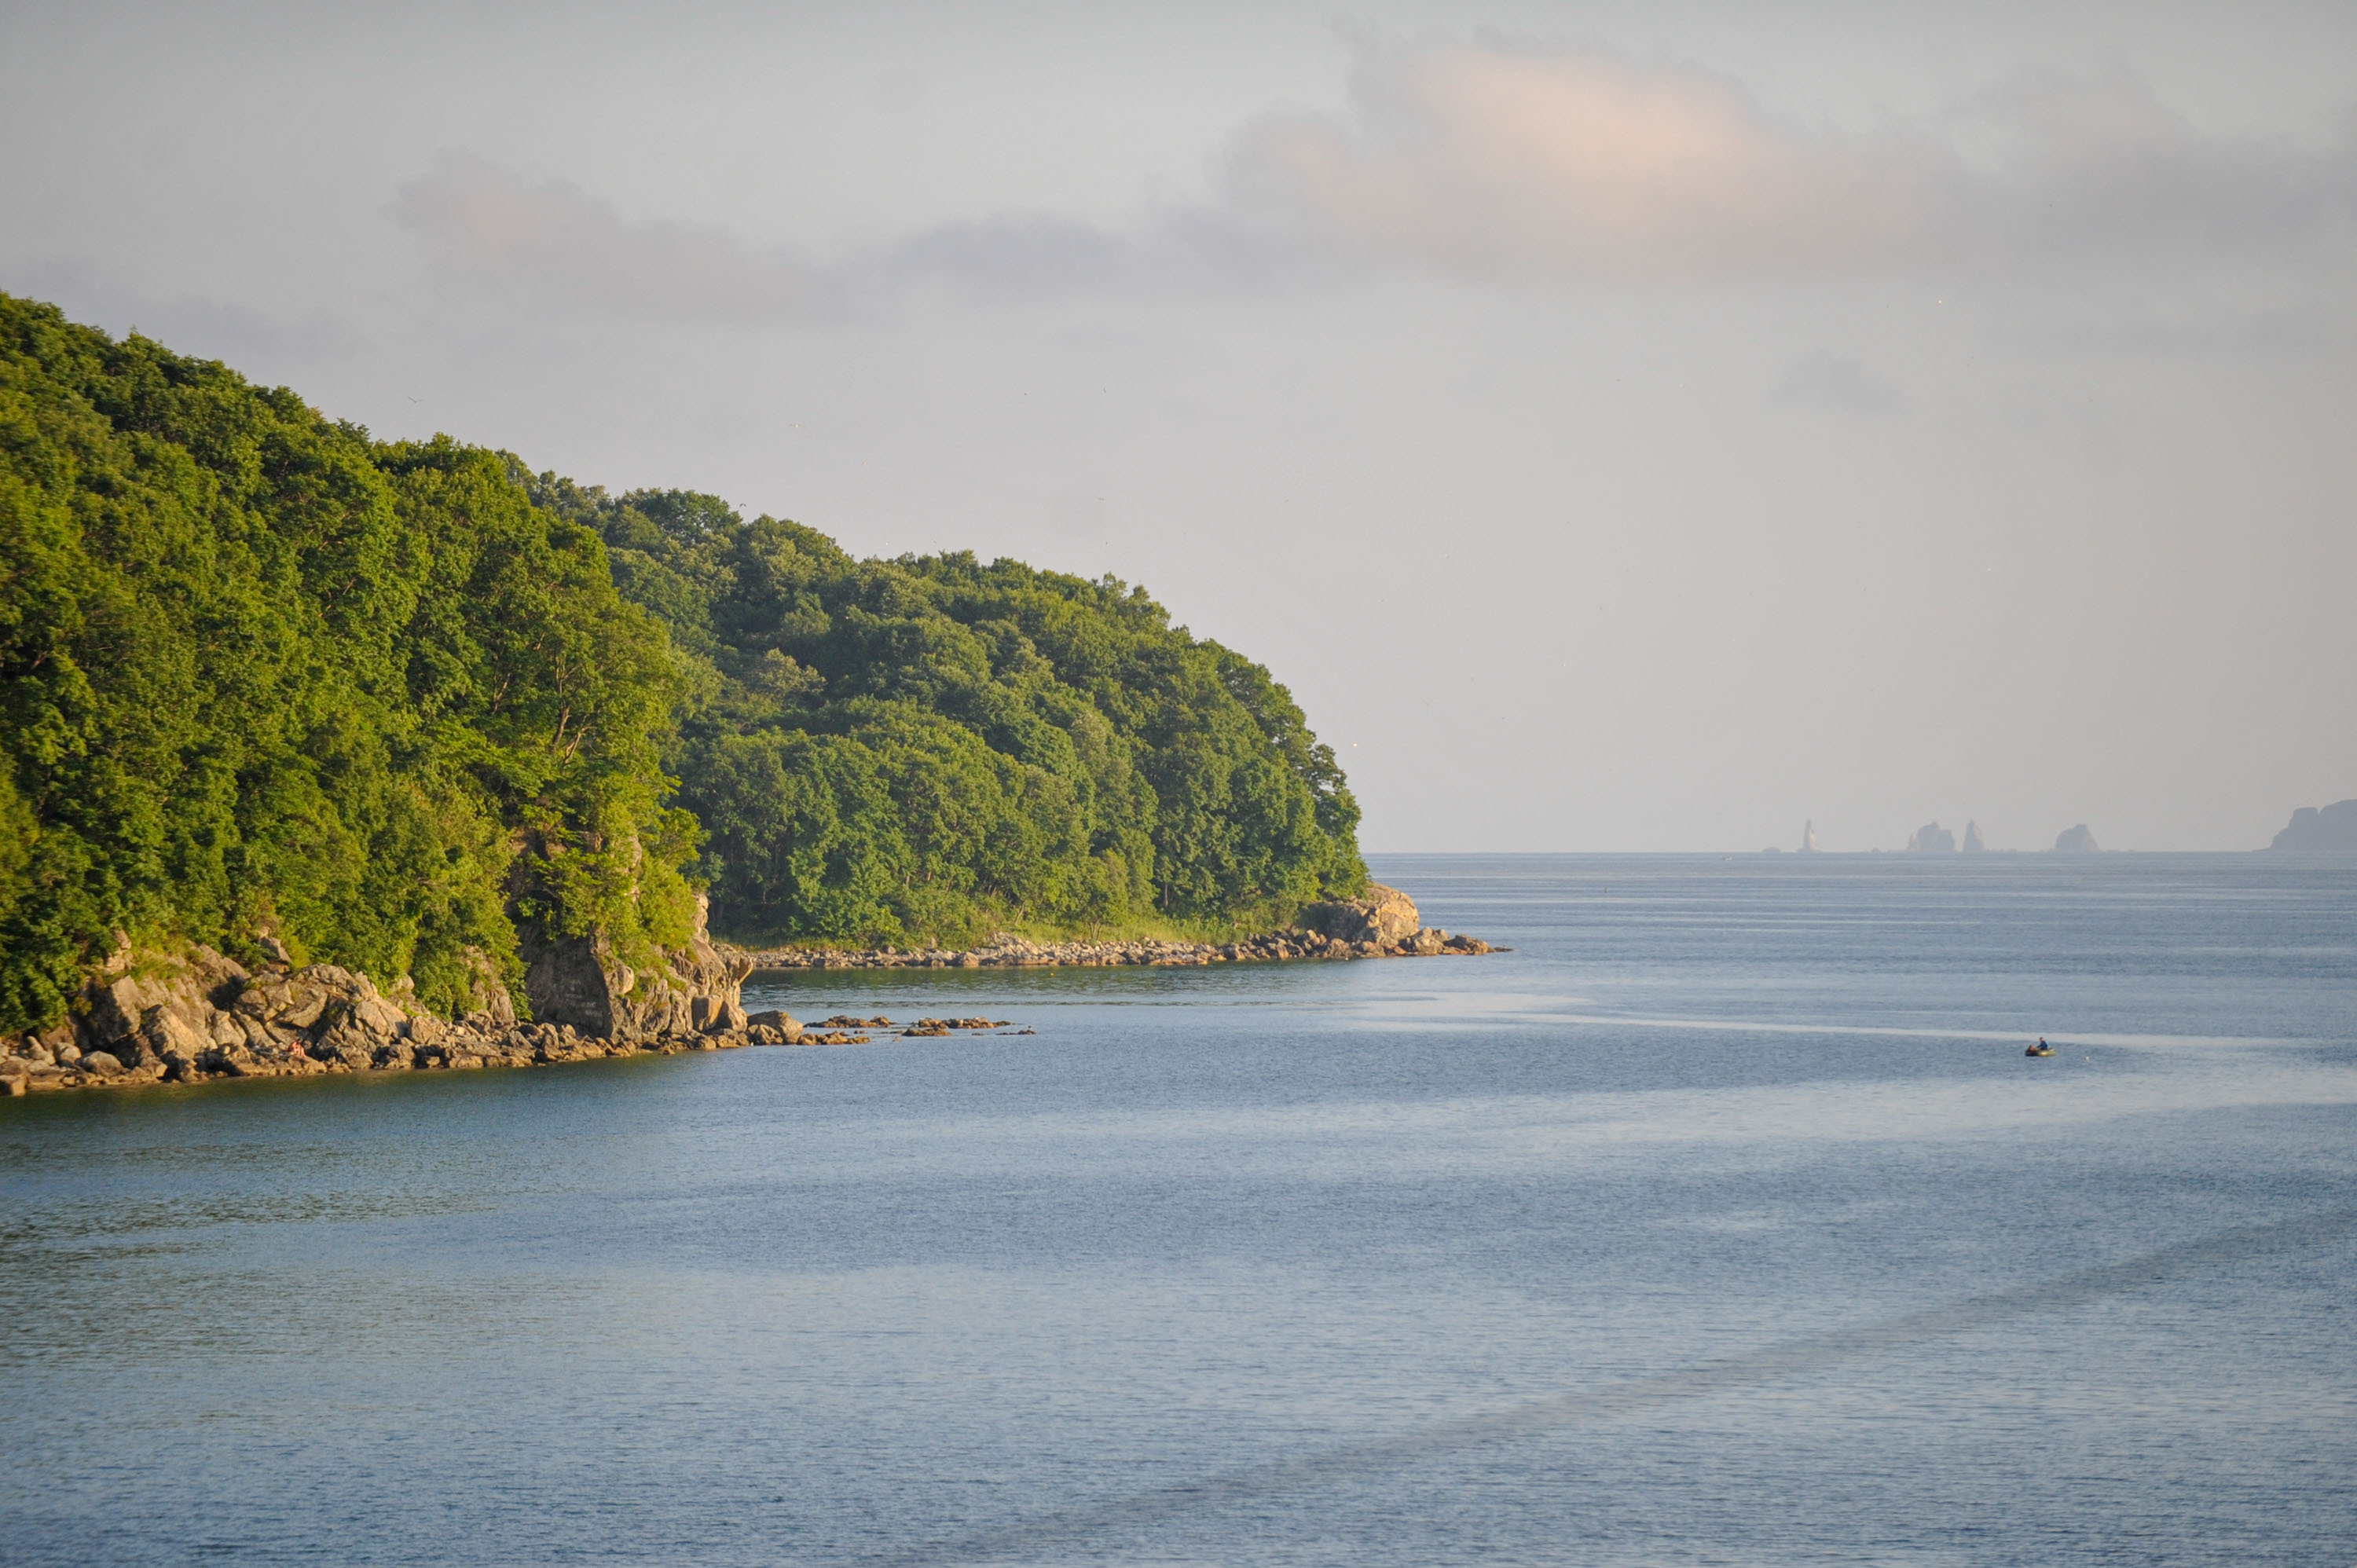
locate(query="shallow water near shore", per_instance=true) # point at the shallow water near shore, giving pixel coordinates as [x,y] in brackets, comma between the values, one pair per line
[1722,1222]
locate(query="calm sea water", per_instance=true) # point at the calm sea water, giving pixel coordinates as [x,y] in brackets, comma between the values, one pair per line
[1721,1222]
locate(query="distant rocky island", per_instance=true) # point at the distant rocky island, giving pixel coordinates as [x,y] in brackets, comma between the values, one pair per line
[2329,830]
[1934,839]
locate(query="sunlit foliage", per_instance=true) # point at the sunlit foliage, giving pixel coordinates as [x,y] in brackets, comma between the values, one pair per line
[928,747]
[259,671]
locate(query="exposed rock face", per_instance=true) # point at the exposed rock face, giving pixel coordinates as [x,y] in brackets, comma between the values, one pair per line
[579,981]
[2334,828]
[1809,837]
[200,1015]
[2074,841]
[785,1023]
[1932,838]
[1384,914]
[487,990]
[1974,843]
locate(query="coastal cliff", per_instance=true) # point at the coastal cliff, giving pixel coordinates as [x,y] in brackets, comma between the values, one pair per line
[196,1014]
[582,982]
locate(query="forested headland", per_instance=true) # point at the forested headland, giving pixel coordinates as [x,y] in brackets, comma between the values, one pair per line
[409,706]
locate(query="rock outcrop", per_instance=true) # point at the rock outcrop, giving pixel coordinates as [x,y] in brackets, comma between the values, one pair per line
[199,1014]
[1384,914]
[579,981]
[1809,837]
[2075,840]
[1932,838]
[2332,829]
[1974,843]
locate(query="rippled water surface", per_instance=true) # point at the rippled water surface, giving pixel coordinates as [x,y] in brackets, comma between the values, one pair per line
[1723,1222]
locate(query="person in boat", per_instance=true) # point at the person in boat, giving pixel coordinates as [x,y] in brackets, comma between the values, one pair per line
[2040,1049]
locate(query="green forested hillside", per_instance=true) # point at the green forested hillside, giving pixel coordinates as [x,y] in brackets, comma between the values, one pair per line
[258,671]
[407,706]
[929,746]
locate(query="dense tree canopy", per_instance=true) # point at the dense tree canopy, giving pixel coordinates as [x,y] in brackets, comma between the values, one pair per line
[258,671]
[409,707]
[927,747]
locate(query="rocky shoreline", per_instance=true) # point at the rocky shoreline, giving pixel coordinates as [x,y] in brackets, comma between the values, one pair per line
[1384,924]
[209,1017]
[198,1014]
[192,1013]
[1015,953]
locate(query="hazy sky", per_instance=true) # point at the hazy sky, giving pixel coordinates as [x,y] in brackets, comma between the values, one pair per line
[1622,426]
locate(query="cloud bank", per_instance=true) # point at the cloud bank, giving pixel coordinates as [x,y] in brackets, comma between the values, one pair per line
[1553,166]
[1497,164]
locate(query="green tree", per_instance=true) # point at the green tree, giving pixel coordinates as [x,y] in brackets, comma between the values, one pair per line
[258,670]
[929,746]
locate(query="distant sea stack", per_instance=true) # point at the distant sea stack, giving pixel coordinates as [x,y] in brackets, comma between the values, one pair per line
[1809,837]
[1974,843]
[1931,839]
[2075,840]
[2332,829]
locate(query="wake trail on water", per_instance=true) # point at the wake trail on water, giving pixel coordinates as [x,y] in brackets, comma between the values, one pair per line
[1779,1359]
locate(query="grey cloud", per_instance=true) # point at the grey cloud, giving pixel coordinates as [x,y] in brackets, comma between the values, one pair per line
[1017,254]
[2270,332]
[1828,382]
[1485,163]
[550,243]
[895,90]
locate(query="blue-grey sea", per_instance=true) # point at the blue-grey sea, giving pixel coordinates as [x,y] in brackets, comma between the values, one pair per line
[1721,1221]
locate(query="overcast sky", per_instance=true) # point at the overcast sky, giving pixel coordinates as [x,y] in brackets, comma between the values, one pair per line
[1623,427]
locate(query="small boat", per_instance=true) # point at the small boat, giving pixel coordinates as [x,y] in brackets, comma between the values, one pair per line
[2040,1049]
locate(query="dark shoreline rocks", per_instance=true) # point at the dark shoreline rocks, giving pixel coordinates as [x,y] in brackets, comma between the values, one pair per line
[205,1017]
[196,1014]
